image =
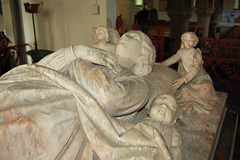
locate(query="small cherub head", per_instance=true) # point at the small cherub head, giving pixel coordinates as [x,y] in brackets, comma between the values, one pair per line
[189,40]
[164,108]
[102,33]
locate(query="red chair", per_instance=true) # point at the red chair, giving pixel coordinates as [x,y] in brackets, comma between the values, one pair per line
[119,25]
[157,38]
[136,26]
[237,32]
[119,22]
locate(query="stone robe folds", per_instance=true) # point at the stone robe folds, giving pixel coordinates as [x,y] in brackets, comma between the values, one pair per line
[46,114]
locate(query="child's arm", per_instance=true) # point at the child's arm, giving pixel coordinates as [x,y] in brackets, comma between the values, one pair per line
[197,62]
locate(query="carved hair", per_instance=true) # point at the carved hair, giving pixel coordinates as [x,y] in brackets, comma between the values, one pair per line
[105,29]
[147,56]
[187,34]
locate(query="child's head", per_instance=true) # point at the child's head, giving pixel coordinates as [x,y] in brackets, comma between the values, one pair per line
[189,40]
[102,33]
[164,108]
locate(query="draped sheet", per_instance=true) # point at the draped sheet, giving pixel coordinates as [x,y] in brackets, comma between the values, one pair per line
[46,115]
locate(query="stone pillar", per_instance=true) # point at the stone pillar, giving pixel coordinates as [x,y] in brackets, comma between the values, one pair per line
[204,10]
[179,13]
[215,18]
[17,28]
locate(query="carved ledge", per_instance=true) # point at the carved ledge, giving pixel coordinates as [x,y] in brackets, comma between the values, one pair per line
[205,12]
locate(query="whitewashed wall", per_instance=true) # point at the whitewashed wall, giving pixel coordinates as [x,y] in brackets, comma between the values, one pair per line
[61,23]
[111,12]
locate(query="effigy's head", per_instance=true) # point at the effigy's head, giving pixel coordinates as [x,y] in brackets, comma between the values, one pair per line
[164,108]
[102,33]
[189,39]
[136,52]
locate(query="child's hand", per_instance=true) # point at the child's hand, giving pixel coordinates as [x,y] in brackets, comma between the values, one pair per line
[177,83]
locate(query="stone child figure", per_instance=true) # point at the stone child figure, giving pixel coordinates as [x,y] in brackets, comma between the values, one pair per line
[103,39]
[163,114]
[195,86]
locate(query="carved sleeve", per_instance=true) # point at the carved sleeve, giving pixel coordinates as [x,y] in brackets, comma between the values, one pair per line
[62,58]
[196,64]
[58,60]
[97,56]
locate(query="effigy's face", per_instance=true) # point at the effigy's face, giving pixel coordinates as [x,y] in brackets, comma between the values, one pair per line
[128,49]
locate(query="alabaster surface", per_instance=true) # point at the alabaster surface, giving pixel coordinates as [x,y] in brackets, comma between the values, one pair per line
[200,132]
[77,103]
[83,102]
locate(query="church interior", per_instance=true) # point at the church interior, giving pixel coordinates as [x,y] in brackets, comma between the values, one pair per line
[32,29]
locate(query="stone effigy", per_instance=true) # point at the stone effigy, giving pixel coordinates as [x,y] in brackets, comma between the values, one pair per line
[82,102]
[78,101]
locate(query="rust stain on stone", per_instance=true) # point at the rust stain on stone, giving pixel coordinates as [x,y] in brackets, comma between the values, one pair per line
[19,129]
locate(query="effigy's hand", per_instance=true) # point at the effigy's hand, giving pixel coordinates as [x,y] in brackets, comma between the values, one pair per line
[97,56]
[108,60]
[177,83]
